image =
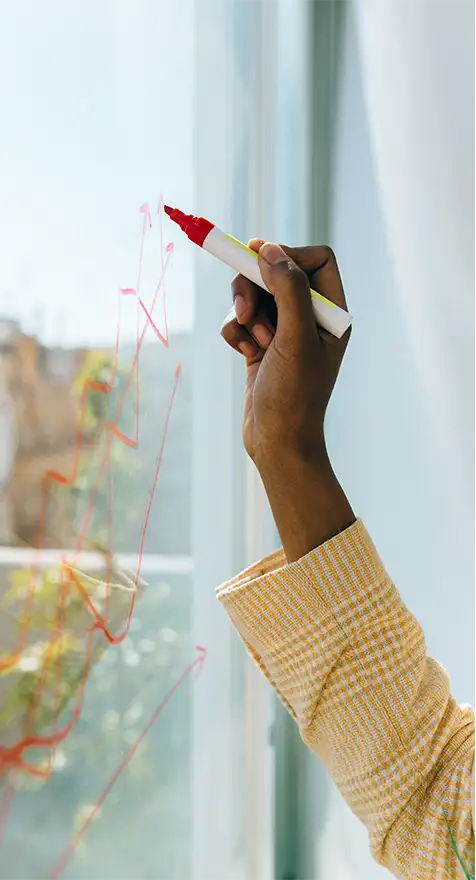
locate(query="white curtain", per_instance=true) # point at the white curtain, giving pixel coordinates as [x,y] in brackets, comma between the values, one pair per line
[401,427]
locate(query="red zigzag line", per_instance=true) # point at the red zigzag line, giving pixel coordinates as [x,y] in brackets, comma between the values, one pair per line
[13,757]
[197,664]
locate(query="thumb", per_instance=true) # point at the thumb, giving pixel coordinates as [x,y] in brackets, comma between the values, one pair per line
[290,287]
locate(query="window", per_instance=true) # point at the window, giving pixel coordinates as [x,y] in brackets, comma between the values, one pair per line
[115,105]
[89,101]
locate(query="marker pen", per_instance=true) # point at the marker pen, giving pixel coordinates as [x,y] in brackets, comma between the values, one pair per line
[244,260]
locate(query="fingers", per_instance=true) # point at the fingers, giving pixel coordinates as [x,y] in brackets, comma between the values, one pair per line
[289,285]
[254,309]
[249,340]
[252,340]
[245,299]
[255,243]
[320,265]
[288,274]
[237,336]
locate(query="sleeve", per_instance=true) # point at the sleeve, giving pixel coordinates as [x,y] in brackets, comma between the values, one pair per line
[349,662]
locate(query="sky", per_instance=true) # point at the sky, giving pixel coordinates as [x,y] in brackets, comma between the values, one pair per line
[96,120]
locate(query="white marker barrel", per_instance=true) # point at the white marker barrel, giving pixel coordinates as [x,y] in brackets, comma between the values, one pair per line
[241,258]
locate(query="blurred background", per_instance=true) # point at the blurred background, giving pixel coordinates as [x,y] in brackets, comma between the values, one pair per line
[347,123]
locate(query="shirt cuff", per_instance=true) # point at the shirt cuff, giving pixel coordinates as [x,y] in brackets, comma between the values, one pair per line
[297,619]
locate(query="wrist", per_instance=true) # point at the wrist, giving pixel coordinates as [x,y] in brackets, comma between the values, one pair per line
[271,459]
[308,503]
[282,464]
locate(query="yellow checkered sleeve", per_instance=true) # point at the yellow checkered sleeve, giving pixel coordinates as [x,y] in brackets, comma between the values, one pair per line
[349,662]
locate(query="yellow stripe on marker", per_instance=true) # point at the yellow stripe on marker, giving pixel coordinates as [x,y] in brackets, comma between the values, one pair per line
[240,244]
[253,253]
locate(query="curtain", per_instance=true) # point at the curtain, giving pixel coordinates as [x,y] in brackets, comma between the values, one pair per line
[401,426]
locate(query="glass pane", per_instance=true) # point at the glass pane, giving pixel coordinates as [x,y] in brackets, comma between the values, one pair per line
[92,129]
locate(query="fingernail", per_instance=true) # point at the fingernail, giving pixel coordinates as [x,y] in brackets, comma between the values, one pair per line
[273,253]
[262,334]
[240,306]
[247,348]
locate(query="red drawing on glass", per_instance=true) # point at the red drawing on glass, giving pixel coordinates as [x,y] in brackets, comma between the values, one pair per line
[196,665]
[14,758]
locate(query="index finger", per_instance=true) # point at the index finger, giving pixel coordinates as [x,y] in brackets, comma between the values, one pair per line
[248,298]
[245,299]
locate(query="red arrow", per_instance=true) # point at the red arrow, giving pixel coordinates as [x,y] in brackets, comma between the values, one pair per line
[197,664]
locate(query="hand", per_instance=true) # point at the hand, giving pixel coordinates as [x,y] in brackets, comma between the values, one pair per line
[291,369]
[291,363]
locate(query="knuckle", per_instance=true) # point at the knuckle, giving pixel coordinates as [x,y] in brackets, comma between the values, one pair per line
[242,285]
[329,254]
[297,277]
[228,326]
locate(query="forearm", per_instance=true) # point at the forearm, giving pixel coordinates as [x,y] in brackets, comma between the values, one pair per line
[308,503]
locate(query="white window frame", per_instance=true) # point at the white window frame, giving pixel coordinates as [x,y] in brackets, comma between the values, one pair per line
[246,53]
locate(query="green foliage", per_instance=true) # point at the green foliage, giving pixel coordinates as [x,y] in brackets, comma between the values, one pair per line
[123,462]
[127,684]
[47,673]
[98,367]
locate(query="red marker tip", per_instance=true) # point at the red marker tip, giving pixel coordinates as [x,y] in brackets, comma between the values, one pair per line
[179,217]
[196,228]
